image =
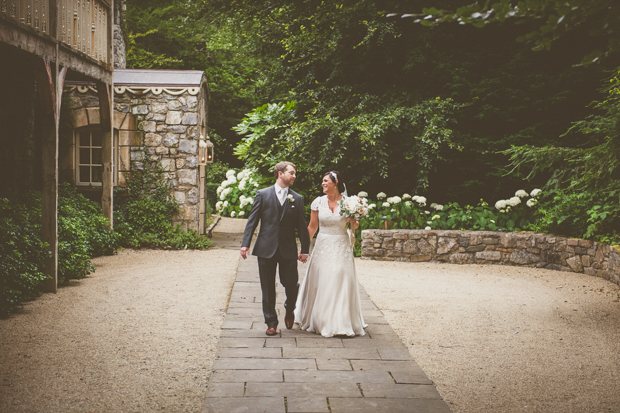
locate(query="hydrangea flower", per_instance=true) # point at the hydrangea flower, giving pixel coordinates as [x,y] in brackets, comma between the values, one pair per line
[371,206]
[363,194]
[435,217]
[428,228]
[241,213]
[406,196]
[531,202]
[408,203]
[224,193]
[394,200]
[381,195]
[501,204]
[427,212]
[386,204]
[514,201]
[230,173]
[521,193]
[232,214]
[218,205]
[535,192]
[438,207]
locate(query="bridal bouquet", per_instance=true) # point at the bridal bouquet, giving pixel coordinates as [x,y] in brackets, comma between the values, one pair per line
[353,206]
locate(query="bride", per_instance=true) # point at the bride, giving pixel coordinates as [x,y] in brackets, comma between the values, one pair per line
[329,301]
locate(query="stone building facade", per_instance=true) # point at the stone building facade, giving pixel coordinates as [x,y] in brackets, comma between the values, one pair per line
[157,112]
[502,248]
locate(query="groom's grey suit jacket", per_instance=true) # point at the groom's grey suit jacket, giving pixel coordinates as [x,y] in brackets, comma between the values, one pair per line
[277,225]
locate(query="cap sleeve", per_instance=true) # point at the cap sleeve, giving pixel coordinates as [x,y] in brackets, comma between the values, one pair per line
[315,204]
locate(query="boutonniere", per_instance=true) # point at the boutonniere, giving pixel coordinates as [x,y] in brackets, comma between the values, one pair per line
[290,198]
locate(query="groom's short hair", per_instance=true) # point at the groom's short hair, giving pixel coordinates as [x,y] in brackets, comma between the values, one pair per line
[281,167]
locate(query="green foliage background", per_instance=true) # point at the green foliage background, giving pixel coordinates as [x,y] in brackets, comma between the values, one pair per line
[402,96]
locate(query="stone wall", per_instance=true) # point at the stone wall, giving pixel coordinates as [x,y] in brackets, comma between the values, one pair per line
[487,247]
[167,125]
[120,48]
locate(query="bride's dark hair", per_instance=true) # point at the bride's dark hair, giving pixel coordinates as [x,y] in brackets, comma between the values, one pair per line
[336,176]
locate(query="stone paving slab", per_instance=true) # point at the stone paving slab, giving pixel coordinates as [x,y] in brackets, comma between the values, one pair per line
[297,371]
[334,389]
[350,405]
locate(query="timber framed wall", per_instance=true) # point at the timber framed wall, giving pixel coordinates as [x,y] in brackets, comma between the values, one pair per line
[42,44]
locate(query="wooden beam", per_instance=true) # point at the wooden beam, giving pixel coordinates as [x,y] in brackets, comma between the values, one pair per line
[49,151]
[105,111]
[46,47]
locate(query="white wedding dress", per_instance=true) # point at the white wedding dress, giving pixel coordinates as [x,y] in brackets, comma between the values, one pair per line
[329,302]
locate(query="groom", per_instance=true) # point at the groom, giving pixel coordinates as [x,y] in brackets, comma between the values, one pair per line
[280,211]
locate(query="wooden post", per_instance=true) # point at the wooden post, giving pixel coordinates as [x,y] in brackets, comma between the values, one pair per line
[202,216]
[107,147]
[49,153]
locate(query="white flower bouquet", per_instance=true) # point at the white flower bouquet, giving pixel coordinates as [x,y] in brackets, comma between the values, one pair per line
[354,206]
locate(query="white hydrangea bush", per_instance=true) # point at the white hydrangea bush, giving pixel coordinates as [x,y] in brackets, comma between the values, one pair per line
[236,194]
[411,212]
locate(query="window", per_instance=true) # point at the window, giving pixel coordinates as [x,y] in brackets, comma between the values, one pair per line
[89,170]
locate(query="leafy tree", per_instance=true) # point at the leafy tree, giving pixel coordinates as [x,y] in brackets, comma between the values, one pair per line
[188,35]
[356,77]
[365,86]
[584,187]
[555,19]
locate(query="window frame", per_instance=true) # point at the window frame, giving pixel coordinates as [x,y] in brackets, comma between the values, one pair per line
[78,146]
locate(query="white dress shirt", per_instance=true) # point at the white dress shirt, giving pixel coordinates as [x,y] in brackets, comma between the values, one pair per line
[281,193]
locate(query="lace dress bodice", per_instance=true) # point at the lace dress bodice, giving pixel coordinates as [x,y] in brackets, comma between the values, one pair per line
[333,238]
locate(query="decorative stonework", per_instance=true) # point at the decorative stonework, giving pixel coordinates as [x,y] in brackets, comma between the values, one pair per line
[487,247]
[139,90]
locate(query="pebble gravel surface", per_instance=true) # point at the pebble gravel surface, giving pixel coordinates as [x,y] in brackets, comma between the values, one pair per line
[137,335]
[505,339]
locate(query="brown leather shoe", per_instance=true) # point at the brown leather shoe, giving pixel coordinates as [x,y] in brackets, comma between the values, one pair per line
[289,320]
[271,331]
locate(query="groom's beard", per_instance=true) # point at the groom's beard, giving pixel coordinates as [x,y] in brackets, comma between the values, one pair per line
[288,182]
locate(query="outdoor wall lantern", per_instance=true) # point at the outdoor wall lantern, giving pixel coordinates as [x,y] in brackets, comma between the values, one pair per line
[205,151]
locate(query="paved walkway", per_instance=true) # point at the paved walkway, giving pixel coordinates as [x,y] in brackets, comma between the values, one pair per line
[297,371]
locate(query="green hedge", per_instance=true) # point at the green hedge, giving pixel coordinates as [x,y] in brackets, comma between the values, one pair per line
[22,253]
[82,234]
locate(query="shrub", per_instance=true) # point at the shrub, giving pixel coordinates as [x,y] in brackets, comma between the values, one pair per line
[144,210]
[22,253]
[580,214]
[410,212]
[237,192]
[83,233]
